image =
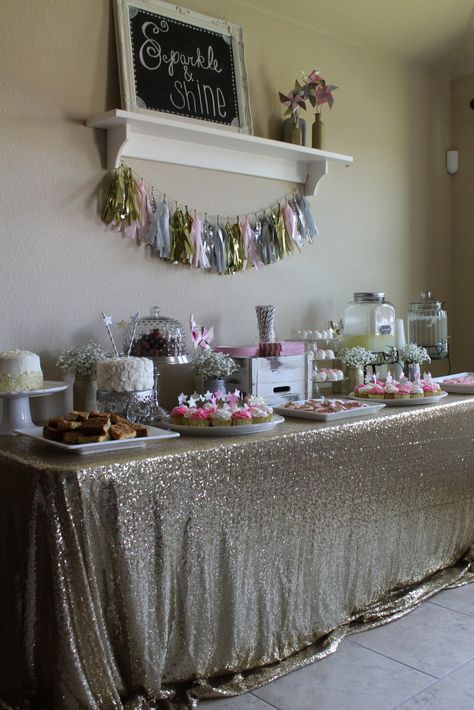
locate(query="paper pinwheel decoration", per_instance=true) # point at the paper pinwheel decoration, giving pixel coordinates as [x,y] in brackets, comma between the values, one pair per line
[200,336]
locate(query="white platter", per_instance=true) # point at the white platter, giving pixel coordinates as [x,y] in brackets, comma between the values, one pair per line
[404,402]
[321,417]
[223,430]
[154,434]
[452,387]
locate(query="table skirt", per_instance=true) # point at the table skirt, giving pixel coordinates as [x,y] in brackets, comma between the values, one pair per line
[206,568]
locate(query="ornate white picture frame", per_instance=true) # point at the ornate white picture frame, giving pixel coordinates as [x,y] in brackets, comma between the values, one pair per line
[174,61]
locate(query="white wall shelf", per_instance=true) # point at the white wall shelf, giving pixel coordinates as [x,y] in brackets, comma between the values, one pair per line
[171,140]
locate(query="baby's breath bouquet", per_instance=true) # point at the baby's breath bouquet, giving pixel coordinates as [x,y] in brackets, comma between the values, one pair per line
[210,365]
[412,353]
[81,361]
[356,357]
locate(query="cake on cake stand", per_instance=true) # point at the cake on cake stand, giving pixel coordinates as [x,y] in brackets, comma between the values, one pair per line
[16,406]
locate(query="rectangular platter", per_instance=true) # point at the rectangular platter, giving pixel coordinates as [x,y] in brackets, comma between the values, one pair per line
[323,417]
[455,388]
[154,434]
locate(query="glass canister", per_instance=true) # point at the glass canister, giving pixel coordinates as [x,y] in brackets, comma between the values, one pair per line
[163,340]
[428,325]
[159,337]
[369,322]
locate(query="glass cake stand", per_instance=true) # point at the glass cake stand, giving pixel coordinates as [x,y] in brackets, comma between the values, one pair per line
[16,406]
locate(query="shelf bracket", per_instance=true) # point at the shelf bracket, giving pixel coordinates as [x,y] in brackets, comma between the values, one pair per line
[315,172]
[117,138]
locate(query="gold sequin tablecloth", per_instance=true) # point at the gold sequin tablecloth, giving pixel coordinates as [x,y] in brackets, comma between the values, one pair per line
[206,567]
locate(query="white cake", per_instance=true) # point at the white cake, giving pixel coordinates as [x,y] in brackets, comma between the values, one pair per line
[20,371]
[125,374]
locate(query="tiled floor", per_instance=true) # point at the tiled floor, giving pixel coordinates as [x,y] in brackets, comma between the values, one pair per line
[424,660]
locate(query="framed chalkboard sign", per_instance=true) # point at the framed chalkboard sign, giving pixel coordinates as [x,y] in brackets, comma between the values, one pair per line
[175,61]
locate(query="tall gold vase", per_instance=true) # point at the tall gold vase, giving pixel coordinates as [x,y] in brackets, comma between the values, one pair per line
[318,132]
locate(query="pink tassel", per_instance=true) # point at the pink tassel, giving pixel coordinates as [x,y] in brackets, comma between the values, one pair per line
[250,246]
[199,258]
[291,224]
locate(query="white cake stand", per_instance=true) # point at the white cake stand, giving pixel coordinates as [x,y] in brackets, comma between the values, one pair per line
[16,406]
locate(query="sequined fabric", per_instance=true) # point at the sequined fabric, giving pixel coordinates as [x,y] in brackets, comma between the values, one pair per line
[208,567]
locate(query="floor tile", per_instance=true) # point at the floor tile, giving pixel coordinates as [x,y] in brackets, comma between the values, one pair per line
[351,679]
[453,692]
[431,639]
[240,702]
[460,599]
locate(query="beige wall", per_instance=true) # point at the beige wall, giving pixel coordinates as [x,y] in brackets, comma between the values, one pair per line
[463,225]
[384,223]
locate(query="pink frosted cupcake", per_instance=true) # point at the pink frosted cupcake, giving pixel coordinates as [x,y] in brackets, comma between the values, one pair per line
[376,392]
[199,417]
[241,416]
[430,389]
[177,414]
[404,391]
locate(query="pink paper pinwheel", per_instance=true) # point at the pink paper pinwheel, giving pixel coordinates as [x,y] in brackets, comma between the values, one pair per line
[324,95]
[200,336]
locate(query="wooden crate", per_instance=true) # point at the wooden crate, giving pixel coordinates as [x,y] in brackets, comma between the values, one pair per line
[276,379]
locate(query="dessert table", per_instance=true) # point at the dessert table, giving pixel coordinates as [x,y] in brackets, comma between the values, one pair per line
[206,567]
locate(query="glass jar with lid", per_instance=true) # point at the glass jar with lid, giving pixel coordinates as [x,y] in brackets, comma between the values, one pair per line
[428,325]
[158,337]
[369,322]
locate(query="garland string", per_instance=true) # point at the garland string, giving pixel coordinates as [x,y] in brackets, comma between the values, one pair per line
[226,248]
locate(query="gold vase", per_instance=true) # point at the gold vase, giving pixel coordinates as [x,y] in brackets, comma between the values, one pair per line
[318,131]
[294,130]
[355,376]
[84,393]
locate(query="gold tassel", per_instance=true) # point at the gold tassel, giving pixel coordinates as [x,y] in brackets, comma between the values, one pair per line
[181,249]
[236,249]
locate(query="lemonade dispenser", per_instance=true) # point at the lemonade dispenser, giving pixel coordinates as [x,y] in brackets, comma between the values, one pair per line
[369,322]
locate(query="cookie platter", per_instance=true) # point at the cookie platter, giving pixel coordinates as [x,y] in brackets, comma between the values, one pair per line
[328,410]
[460,383]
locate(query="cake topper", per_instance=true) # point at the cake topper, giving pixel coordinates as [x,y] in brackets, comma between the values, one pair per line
[108,322]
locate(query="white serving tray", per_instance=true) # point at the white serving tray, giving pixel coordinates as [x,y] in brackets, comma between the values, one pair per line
[452,387]
[412,402]
[321,417]
[154,434]
[206,431]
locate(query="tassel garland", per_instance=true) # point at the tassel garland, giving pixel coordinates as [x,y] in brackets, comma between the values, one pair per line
[177,237]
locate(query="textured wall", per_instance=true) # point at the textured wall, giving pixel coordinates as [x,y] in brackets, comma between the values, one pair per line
[384,223]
